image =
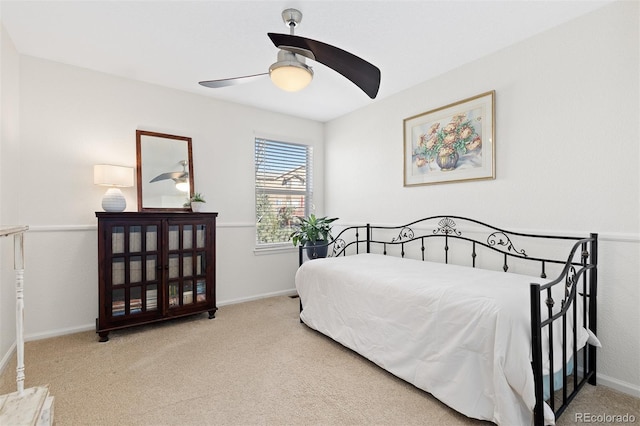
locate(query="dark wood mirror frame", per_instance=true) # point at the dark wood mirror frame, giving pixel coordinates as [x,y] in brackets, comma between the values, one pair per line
[161,154]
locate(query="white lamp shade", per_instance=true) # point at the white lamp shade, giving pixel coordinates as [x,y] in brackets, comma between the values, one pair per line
[291,78]
[109,175]
[182,185]
[290,73]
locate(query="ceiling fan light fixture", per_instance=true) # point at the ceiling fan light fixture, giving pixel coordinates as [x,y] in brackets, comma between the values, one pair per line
[290,73]
[182,184]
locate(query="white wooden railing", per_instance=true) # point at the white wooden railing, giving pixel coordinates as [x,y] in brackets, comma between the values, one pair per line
[33,406]
[18,266]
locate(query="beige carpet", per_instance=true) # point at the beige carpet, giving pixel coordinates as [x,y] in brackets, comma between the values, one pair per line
[255,364]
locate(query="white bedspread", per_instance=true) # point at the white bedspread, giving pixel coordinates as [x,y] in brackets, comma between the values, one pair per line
[459,333]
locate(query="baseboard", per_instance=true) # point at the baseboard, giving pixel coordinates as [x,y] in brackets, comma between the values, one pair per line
[59,332]
[290,292]
[619,385]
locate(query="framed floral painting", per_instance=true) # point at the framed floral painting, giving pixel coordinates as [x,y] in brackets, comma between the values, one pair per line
[452,143]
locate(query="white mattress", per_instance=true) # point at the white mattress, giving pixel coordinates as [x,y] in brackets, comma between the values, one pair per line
[459,333]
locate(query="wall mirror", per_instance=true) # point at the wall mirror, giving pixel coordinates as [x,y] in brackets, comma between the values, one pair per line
[164,171]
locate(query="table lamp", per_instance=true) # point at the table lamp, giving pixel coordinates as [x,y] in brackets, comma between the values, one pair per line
[115,177]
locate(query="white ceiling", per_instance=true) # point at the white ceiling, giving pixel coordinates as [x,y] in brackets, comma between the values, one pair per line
[178,43]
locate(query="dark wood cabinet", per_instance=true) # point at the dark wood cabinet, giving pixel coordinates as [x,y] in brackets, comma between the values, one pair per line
[154,266]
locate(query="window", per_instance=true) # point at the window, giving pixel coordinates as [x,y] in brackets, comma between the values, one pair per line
[284,189]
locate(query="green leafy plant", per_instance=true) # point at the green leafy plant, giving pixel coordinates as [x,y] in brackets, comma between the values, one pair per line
[312,229]
[197,197]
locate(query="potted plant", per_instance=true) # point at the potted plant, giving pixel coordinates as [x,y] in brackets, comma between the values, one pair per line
[314,232]
[196,201]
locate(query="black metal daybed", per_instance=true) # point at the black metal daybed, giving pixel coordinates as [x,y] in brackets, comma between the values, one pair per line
[427,302]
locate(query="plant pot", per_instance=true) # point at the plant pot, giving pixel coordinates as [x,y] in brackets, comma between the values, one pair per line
[196,206]
[316,250]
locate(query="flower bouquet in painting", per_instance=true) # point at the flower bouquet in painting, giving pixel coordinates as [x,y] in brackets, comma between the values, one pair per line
[451,143]
[445,144]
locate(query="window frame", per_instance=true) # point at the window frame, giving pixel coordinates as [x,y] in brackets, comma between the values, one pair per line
[306,194]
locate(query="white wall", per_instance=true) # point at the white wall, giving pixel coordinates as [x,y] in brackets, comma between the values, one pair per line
[9,171]
[73,118]
[567,137]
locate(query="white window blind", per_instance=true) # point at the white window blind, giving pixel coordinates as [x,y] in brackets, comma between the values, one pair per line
[283,189]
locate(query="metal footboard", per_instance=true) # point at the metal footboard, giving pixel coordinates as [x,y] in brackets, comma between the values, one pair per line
[579,285]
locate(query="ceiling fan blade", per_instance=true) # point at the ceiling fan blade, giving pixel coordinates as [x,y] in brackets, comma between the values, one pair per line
[169,175]
[232,81]
[363,74]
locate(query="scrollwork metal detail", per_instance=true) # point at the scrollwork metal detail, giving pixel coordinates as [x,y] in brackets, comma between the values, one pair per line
[405,234]
[447,226]
[568,285]
[338,245]
[502,239]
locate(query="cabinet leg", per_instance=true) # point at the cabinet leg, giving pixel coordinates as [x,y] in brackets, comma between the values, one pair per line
[212,313]
[104,336]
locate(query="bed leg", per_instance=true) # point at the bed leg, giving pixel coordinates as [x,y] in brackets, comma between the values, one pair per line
[592,365]
[536,342]
[593,306]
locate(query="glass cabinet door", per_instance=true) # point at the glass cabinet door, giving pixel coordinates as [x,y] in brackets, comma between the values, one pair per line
[134,273]
[187,282]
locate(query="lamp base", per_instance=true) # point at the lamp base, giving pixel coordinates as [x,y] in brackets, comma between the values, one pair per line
[113,200]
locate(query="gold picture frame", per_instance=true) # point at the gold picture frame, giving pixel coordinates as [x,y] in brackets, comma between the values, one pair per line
[452,143]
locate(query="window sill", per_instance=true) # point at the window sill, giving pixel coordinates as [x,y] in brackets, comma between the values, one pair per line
[275,249]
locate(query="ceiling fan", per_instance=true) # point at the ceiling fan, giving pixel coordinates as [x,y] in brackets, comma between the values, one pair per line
[292,74]
[180,178]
